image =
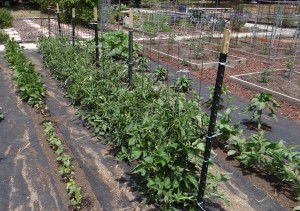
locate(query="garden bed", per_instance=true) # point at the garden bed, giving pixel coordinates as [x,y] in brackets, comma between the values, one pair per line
[184,54]
[279,84]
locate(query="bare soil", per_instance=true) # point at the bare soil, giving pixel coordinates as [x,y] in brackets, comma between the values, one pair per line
[278,81]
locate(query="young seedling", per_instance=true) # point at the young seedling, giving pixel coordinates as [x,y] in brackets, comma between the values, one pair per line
[259,104]
[290,68]
[265,75]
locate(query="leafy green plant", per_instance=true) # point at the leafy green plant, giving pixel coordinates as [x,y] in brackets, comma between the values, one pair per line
[198,47]
[171,40]
[6,18]
[182,84]
[273,158]
[288,23]
[260,103]
[115,44]
[224,97]
[160,130]
[224,127]
[75,194]
[160,73]
[142,64]
[29,82]
[65,165]
[184,62]
[291,66]
[3,37]
[265,75]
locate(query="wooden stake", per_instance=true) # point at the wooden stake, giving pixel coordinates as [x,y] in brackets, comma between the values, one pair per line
[73,12]
[130,18]
[57,7]
[95,14]
[226,41]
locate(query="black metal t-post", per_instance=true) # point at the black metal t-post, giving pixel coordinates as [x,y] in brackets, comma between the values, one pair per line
[97,44]
[73,26]
[200,206]
[49,8]
[58,22]
[130,45]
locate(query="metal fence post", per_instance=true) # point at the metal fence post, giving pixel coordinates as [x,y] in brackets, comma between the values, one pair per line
[200,206]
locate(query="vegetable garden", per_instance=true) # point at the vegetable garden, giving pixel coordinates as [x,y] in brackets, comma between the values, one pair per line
[123,121]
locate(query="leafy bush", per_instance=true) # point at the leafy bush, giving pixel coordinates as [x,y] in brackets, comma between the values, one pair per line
[6,18]
[160,73]
[182,84]
[162,131]
[288,23]
[29,82]
[3,37]
[115,44]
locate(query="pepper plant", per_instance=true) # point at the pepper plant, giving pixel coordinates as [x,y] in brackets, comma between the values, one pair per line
[160,73]
[182,84]
[259,104]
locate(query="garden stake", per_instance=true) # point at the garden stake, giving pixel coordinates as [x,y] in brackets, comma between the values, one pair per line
[213,117]
[130,40]
[73,26]
[58,19]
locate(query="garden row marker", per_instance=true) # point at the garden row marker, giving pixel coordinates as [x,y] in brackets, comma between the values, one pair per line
[73,26]
[213,117]
[58,19]
[130,40]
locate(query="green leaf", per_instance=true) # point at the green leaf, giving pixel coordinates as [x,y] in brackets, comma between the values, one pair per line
[135,154]
[231,152]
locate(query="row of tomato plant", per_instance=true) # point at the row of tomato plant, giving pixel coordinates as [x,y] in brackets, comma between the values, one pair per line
[33,91]
[65,165]
[151,125]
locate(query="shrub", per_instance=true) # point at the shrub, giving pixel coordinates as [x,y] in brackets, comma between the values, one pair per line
[3,37]
[6,18]
[287,23]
